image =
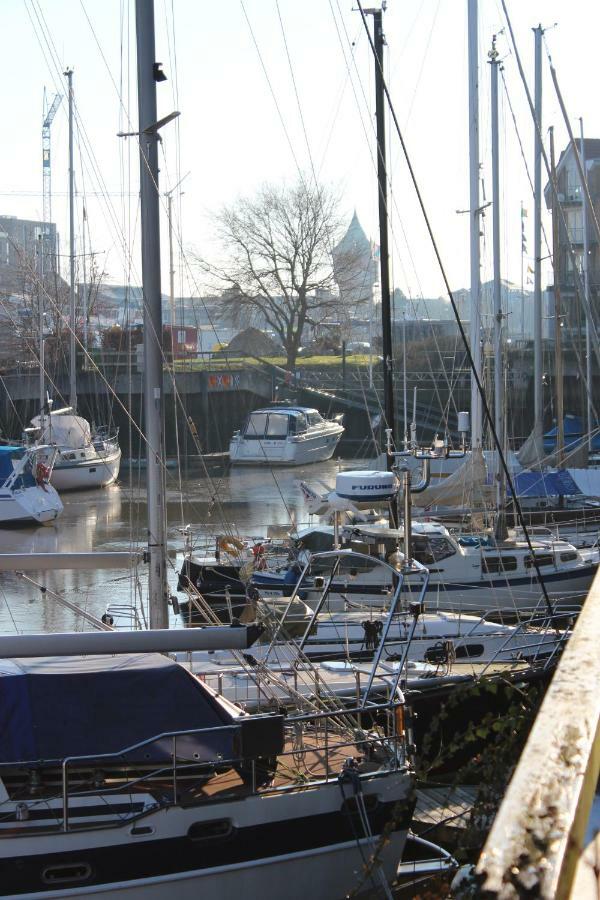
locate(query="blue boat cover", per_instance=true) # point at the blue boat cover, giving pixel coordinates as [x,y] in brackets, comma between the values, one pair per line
[574,432]
[545,484]
[7,454]
[52,708]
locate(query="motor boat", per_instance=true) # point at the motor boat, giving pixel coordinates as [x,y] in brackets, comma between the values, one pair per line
[285,435]
[82,459]
[26,496]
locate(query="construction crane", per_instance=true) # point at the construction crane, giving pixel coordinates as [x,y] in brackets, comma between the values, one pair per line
[49,113]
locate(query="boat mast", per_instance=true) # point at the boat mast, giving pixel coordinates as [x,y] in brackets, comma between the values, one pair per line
[558,370]
[537,241]
[586,288]
[72,311]
[499,423]
[147,72]
[474,218]
[386,314]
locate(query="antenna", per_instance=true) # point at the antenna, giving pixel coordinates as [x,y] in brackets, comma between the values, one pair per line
[49,113]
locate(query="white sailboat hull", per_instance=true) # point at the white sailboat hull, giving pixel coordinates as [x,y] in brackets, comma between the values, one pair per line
[565,589]
[91,471]
[30,504]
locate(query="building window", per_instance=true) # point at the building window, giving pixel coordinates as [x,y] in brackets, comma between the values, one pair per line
[572,184]
[575,225]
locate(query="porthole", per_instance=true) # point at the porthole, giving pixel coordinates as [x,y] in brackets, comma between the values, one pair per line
[67,874]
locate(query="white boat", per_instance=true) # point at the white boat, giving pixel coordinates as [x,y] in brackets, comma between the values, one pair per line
[285,435]
[340,614]
[82,460]
[25,494]
[475,577]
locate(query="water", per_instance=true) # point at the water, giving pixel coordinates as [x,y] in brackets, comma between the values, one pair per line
[245,500]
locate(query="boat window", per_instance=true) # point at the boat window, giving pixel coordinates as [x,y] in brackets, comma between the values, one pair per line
[277,426]
[298,424]
[569,556]
[256,425]
[314,418]
[430,550]
[467,651]
[210,831]
[499,563]
[316,542]
[542,559]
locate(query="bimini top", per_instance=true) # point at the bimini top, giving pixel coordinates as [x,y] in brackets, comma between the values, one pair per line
[52,708]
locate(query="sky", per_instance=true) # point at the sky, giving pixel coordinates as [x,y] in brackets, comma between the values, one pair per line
[268,88]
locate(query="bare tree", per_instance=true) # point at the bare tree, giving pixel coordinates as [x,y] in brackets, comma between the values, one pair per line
[277,270]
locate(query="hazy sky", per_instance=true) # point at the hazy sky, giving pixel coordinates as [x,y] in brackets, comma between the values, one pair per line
[231,78]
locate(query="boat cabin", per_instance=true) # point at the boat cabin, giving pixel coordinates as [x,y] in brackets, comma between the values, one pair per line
[277,423]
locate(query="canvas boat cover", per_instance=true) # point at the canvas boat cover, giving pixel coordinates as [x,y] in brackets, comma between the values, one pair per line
[52,708]
[64,431]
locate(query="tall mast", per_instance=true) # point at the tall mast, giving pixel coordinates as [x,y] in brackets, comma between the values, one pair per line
[72,311]
[475,212]
[498,368]
[386,316]
[586,287]
[147,71]
[558,367]
[538,407]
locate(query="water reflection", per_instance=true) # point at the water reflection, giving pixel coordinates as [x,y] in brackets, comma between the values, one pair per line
[246,499]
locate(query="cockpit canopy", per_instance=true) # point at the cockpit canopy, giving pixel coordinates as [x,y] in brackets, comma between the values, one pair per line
[274,424]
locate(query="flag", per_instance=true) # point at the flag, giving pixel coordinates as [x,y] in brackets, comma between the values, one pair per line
[523,212]
[529,269]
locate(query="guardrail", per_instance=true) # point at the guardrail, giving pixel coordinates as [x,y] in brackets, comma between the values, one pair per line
[536,841]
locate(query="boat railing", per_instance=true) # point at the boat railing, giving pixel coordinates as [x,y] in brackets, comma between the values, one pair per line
[316,746]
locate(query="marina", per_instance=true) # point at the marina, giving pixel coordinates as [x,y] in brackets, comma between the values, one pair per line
[299,588]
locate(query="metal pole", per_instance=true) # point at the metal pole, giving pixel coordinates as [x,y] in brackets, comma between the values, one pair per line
[386,319]
[171,273]
[404,386]
[41,330]
[498,369]
[84,296]
[475,212]
[558,367]
[407,517]
[72,310]
[151,284]
[522,276]
[586,287]
[537,242]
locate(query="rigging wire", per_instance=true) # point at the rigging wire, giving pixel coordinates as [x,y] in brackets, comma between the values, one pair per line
[480,388]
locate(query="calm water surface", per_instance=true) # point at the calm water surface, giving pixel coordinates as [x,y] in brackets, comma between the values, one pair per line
[246,500]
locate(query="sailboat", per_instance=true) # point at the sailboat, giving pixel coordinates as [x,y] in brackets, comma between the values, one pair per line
[81,459]
[121,773]
[26,496]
